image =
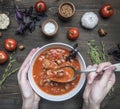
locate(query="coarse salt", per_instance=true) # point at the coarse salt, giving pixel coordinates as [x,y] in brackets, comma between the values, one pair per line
[49,28]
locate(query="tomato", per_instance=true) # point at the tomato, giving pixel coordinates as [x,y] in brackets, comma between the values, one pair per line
[10,44]
[40,6]
[106,10]
[73,33]
[3,57]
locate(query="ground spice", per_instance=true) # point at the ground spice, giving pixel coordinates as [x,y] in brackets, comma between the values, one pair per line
[66,10]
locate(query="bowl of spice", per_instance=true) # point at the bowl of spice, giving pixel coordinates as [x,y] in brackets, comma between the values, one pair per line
[66,10]
[49,27]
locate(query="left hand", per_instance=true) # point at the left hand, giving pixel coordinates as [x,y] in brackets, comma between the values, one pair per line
[30,98]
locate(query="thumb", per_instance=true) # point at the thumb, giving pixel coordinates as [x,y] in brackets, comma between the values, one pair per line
[92,75]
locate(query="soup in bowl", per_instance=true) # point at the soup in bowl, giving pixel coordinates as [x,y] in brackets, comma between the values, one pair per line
[43,67]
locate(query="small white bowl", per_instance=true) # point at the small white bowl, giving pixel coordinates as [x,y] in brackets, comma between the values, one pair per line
[56,97]
[49,27]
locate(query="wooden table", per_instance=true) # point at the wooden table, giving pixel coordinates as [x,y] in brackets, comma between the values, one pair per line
[10,97]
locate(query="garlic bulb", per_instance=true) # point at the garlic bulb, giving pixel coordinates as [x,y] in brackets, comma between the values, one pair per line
[4,21]
[89,20]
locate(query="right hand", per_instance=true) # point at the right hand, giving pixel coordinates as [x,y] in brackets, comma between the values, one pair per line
[98,85]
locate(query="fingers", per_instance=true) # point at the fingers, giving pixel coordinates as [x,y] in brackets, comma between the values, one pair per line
[111,82]
[91,76]
[90,79]
[24,72]
[87,88]
[107,73]
[26,61]
[102,66]
[107,76]
[99,70]
[28,58]
[87,92]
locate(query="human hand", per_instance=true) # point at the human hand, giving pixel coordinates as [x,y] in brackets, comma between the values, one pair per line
[30,98]
[98,85]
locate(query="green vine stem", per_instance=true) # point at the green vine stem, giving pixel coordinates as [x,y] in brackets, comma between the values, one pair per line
[8,71]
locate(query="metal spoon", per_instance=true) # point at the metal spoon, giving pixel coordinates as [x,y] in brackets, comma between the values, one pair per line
[75,72]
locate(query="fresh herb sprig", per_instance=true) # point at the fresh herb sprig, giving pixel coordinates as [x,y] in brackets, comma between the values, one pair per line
[73,53]
[8,71]
[97,55]
[27,19]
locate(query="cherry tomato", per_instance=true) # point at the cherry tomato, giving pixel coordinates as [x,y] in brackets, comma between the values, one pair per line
[40,6]
[10,44]
[73,33]
[3,57]
[106,10]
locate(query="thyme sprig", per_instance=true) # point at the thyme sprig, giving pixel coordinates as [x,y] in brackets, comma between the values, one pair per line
[8,71]
[97,55]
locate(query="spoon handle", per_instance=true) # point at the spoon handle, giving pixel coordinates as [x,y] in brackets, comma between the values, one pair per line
[87,71]
[94,69]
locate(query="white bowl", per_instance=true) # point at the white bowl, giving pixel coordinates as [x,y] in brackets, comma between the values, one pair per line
[57,97]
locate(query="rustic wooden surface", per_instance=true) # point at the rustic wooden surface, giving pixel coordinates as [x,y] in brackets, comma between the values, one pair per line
[10,97]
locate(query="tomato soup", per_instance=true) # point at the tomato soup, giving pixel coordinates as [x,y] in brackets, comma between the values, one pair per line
[45,65]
